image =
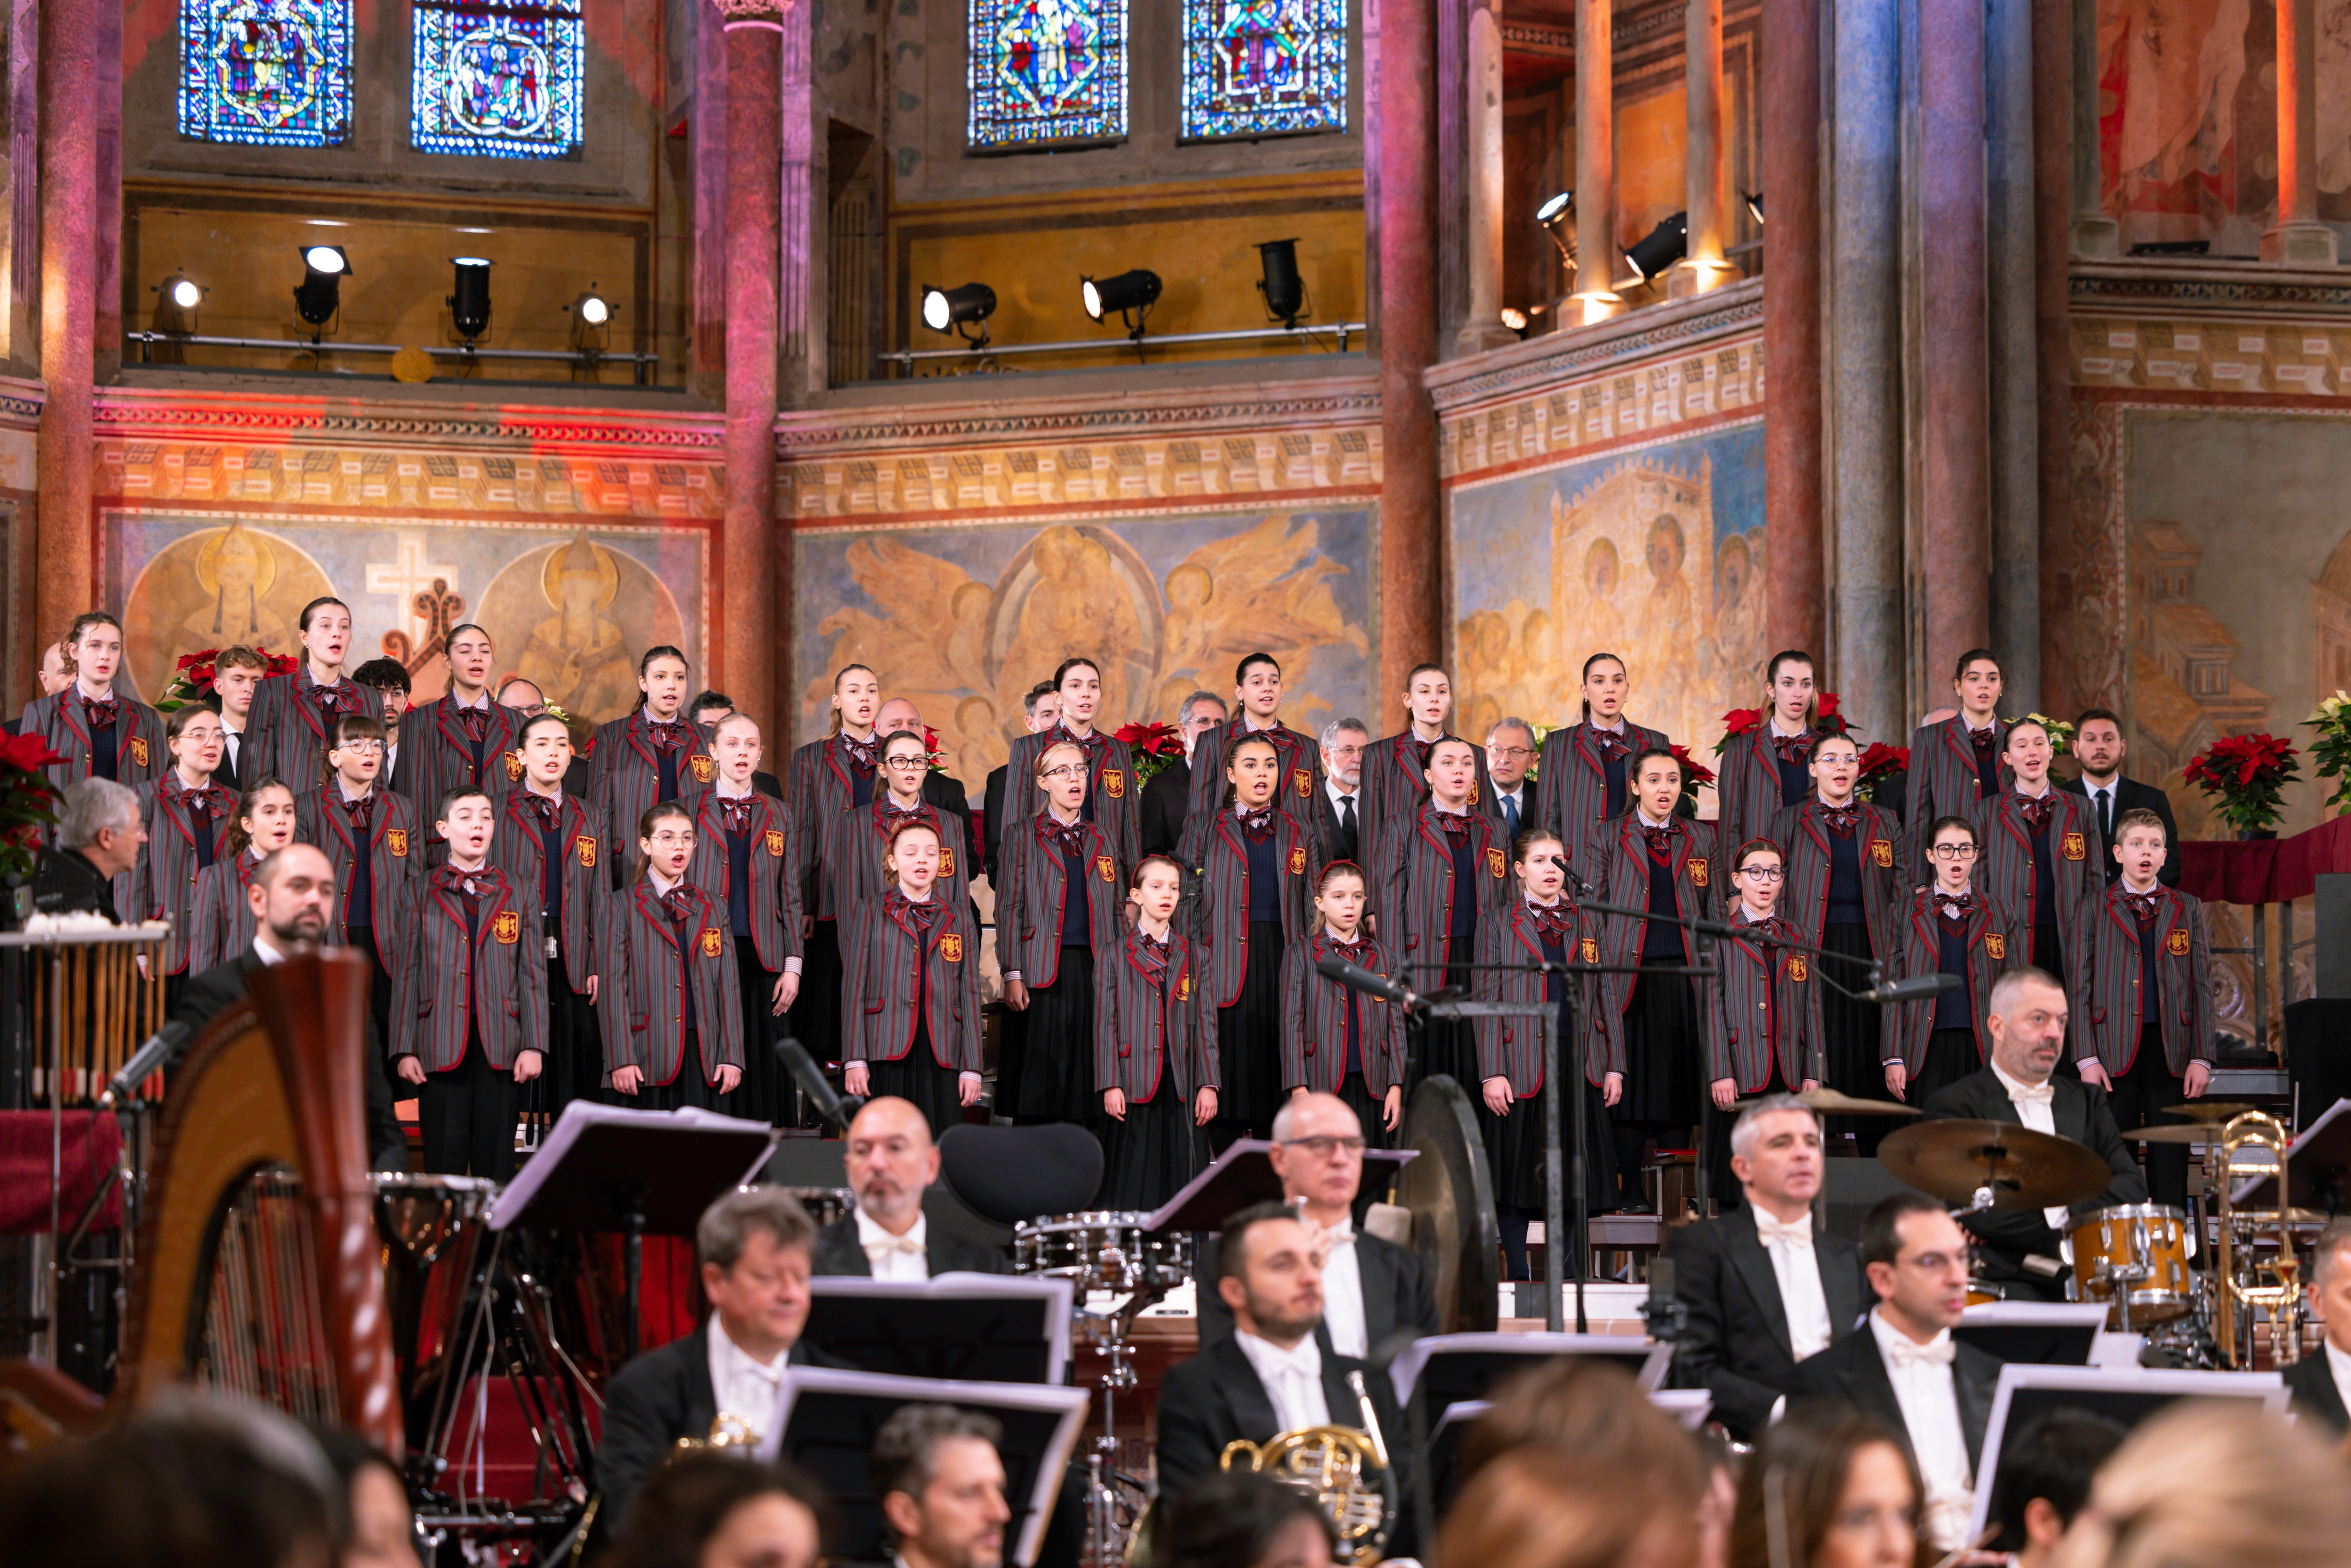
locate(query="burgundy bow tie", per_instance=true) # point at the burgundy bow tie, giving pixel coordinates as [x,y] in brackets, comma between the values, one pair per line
[2143,907]
[549,808]
[861,752]
[1155,955]
[920,916]
[103,711]
[1551,919]
[1958,908]
[1089,744]
[1611,744]
[1348,947]
[1984,740]
[476,722]
[1070,838]
[362,811]
[1661,842]
[1840,820]
[2036,813]
[679,902]
[738,811]
[208,801]
[668,734]
[1454,823]
[1421,748]
[1258,825]
[330,698]
[467,883]
[1792,747]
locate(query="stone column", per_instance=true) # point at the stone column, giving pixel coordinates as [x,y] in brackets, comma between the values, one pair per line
[1703,176]
[64,550]
[1865,361]
[2013,358]
[2057,200]
[2094,232]
[1595,160]
[2299,239]
[754,200]
[106,301]
[1482,327]
[1955,478]
[1411,534]
[1790,68]
[706,365]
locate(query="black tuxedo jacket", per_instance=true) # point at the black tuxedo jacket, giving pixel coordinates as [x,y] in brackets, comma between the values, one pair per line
[1165,799]
[2315,1397]
[1853,1372]
[2082,1114]
[1397,1298]
[210,993]
[1215,1398]
[946,793]
[991,823]
[2130,795]
[1323,818]
[836,1252]
[661,1397]
[1736,1344]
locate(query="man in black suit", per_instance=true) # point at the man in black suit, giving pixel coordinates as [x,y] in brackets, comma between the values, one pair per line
[99,836]
[1040,707]
[1169,794]
[292,895]
[706,710]
[890,1160]
[1371,1288]
[1338,816]
[1271,1375]
[54,675]
[1510,750]
[2322,1382]
[389,678]
[1763,1286]
[1905,1368]
[753,1246]
[2098,746]
[2018,1248]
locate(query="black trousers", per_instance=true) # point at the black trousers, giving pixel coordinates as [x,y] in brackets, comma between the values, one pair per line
[575,1051]
[2140,1097]
[364,939]
[467,1118]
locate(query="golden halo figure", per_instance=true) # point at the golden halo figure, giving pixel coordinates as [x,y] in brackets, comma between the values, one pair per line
[578,657]
[581,557]
[236,570]
[244,556]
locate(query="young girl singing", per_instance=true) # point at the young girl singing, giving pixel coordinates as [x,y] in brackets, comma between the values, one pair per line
[1768,769]
[292,723]
[2033,857]
[188,823]
[1113,795]
[1763,1007]
[828,780]
[1445,875]
[743,856]
[1585,774]
[654,754]
[864,831]
[911,980]
[1334,1039]
[221,926]
[1952,928]
[671,1002]
[552,852]
[1057,901]
[376,846]
[1154,1048]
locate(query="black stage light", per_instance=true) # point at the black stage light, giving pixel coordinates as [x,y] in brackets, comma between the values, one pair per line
[1557,218]
[1284,290]
[320,293]
[469,306]
[1754,200]
[958,309]
[1132,290]
[1665,244]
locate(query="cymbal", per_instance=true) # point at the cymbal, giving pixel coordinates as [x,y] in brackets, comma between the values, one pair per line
[2025,1169]
[2210,1110]
[1830,1102]
[2180,1132]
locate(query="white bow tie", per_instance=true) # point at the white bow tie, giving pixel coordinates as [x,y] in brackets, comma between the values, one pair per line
[888,1243]
[1940,1351]
[1798,1234]
[2044,1094]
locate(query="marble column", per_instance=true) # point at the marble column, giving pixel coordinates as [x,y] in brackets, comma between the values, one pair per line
[1791,70]
[2299,239]
[1411,541]
[754,202]
[65,583]
[1482,327]
[706,366]
[2056,202]
[1595,160]
[1955,477]
[2094,232]
[2012,357]
[1703,176]
[1864,365]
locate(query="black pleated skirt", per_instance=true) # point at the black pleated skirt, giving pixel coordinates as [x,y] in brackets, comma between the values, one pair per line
[686,1089]
[918,1077]
[1249,1035]
[815,1016]
[1515,1146]
[1450,1046]
[1359,1098]
[1045,1057]
[1148,1157]
[1854,1040]
[2049,952]
[766,1093]
[1665,1070]
[1951,1055]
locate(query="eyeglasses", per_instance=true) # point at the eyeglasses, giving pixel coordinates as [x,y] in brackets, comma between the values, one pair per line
[362,745]
[907,762]
[1322,1148]
[1761,872]
[1066,770]
[1954,851]
[1509,753]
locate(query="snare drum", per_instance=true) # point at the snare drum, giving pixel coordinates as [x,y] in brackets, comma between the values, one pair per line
[1104,1250]
[2135,1254]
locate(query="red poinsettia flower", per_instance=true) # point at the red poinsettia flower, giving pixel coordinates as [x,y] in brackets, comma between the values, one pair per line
[1882,759]
[1156,739]
[1694,772]
[27,753]
[279,664]
[201,655]
[1830,721]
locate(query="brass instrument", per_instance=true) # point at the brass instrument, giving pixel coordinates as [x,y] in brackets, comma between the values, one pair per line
[1345,1469]
[727,1431]
[2254,1144]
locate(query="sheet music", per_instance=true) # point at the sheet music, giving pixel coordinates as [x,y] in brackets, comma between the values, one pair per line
[579,1116]
[1405,1371]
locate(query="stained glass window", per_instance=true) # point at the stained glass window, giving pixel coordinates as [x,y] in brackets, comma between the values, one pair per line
[1047,72]
[498,78]
[275,72]
[1264,67]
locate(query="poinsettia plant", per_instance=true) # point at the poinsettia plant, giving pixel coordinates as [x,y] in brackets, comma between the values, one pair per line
[1154,746]
[1694,773]
[192,677]
[2245,776]
[27,803]
[933,752]
[2060,733]
[2331,752]
[1881,764]
[1739,721]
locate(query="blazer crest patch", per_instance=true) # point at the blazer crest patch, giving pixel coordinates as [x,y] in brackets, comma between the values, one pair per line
[1698,870]
[951,947]
[1297,860]
[1303,780]
[514,769]
[1995,946]
[1184,987]
[705,770]
[1796,968]
[713,942]
[1881,854]
[1115,783]
[396,840]
[139,751]
[2076,847]
[1495,864]
[774,841]
[508,927]
[1590,949]
[2176,944]
[585,848]
[947,861]
[1106,869]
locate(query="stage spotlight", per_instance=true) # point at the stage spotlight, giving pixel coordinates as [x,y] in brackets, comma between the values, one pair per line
[182,291]
[1515,319]
[1754,200]
[469,306]
[592,308]
[958,309]
[1129,291]
[320,293]
[1557,218]
[1666,245]
[1284,290]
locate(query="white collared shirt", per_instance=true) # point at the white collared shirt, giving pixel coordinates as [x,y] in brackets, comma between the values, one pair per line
[1643,818]
[1343,1295]
[1790,734]
[2339,1364]
[742,1386]
[893,1257]
[2041,1115]
[1341,795]
[1292,1379]
[727,791]
[481,705]
[662,885]
[266,949]
[1929,1397]
[1797,1267]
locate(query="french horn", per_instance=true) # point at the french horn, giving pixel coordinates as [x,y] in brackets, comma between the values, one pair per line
[1344,1469]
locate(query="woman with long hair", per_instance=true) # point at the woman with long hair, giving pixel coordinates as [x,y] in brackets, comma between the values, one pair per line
[1057,901]
[743,853]
[1154,1045]
[2034,859]
[1768,769]
[711,1509]
[222,926]
[1953,929]
[1444,874]
[1336,1039]
[828,781]
[1113,797]
[911,984]
[669,1003]
[1586,765]
[1830,1487]
[188,819]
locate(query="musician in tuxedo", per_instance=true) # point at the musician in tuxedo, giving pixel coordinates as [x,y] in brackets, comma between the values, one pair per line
[1272,1374]
[1165,798]
[1395,777]
[2017,1249]
[1510,797]
[1040,710]
[1257,687]
[1905,1367]
[1371,1288]
[2321,1384]
[889,1160]
[94,730]
[100,836]
[290,901]
[1338,813]
[1957,762]
[754,1247]
[2098,747]
[1764,1286]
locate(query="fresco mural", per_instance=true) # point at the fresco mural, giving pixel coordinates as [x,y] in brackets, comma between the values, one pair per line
[965,619]
[568,605]
[1653,553]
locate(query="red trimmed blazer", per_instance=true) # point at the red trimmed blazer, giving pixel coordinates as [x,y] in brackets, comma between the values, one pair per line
[438,756]
[1033,889]
[1765,1006]
[1219,922]
[1314,1022]
[1942,782]
[1412,891]
[396,852]
[775,895]
[1114,791]
[164,879]
[624,775]
[1624,881]
[641,1003]
[1140,1030]
[517,849]
[1805,896]
[861,842]
[1519,1049]
[293,732]
[885,954]
[1747,789]
[2117,1006]
[139,756]
[821,787]
[1392,787]
[492,981]
[1302,775]
[1997,943]
[1574,795]
[2004,872]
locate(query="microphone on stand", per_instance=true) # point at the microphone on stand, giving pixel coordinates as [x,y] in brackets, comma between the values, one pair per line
[1917,988]
[159,1050]
[1357,979]
[835,1108]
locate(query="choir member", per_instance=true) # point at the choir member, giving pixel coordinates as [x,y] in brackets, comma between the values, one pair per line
[477,971]
[673,1018]
[1957,762]
[98,731]
[1057,903]
[1844,894]
[1395,777]
[1513,800]
[1651,858]
[370,835]
[2033,844]
[1154,1040]
[1040,710]
[828,780]
[1258,865]
[1339,806]
[1335,1039]
[1540,926]
[708,709]
[388,678]
[550,850]
[1445,876]
[293,719]
[237,674]
[1952,928]
[1768,769]
[1113,799]
[1165,798]
[2098,747]
[2149,993]
[744,851]
[653,755]
[1585,771]
[188,822]
[1257,686]
[912,985]
[1763,1005]
[222,924]
[905,764]
[463,739]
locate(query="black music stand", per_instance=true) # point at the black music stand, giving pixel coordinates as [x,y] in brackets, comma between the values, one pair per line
[825,1421]
[1446,1369]
[978,1328]
[640,1173]
[1243,1175]
[2317,1164]
[2046,1333]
